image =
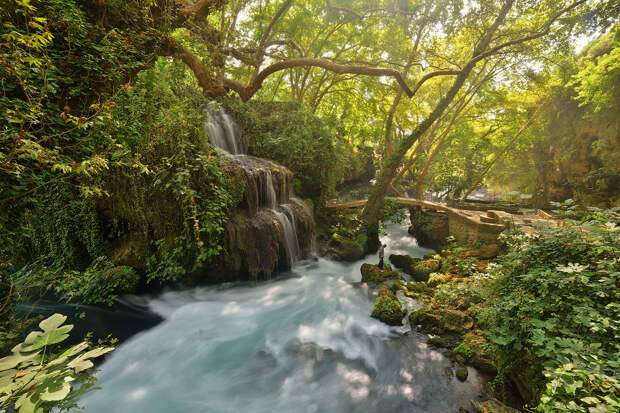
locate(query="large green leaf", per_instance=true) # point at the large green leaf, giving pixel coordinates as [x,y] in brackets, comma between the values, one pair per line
[82,362]
[53,322]
[56,391]
[49,337]
[12,361]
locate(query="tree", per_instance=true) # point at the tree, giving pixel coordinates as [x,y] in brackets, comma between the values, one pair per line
[485,47]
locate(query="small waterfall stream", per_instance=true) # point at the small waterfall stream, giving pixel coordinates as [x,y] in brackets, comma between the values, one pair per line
[268,184]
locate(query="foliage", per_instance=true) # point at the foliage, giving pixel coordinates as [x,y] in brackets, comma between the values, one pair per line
[102,282]
[34,379]
[204,191]
[551,307]
[292,135]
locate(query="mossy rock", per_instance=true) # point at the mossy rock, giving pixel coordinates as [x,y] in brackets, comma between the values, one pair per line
[441,320]
[423,269]
[387,308]
[462,373]
[492,406]
[348,249]
[403,262]
[476,350]
[372,274]
[419,288]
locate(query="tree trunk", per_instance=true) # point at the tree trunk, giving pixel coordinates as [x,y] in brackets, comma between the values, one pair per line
[375,200]
[501,153]
[388,172]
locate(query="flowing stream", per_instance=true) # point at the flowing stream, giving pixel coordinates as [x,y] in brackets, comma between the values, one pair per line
[302,342]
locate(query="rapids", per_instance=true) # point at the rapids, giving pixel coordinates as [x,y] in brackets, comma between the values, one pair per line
[301,342]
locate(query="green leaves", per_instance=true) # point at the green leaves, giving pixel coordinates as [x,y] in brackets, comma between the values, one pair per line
[32,379]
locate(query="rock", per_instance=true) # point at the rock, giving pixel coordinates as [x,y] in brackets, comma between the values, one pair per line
[419,288]
[485,252]
[345,249]
[475,349]
[492,406]
[404,262]
[442,342]
[457,321]
[462,373]
[387,308]
[422,270]
[542,214]
[441,320]
[372,274]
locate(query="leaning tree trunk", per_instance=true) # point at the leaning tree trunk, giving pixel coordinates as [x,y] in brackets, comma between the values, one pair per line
[375,200]
[514,139]
[388,172]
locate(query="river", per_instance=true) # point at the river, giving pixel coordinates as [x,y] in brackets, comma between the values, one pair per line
[301,342]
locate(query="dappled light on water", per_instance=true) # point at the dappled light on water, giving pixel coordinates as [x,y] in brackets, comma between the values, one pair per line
[302,342]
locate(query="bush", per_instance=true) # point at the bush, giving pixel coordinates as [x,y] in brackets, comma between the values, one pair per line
[551,309]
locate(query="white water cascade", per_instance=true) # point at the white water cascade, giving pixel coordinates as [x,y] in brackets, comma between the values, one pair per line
[303,342]
[267,183]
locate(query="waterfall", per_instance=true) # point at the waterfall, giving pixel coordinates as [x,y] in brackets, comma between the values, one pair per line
[267,189]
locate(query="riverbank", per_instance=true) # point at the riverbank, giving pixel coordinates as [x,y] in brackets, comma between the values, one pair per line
[540,318]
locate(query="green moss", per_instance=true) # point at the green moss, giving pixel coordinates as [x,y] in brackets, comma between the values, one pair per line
[387,308]
[372,274]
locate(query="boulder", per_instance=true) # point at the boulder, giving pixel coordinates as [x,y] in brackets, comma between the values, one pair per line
[404,262]
[462,373]
[485,252]
[419,288]
[441,320]
[475,349]
[422,270]
[387,308]
[372,274]
[492,406]
[345,249]
[436,278]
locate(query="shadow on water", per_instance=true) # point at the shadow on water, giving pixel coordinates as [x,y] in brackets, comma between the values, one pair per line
[128,316]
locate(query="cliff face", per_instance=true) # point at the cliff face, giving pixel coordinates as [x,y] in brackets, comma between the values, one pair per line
[262,244]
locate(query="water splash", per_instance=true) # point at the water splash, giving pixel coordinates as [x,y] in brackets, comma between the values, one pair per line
[303,342]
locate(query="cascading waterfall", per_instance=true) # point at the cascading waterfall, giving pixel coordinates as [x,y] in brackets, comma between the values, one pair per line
[267,184]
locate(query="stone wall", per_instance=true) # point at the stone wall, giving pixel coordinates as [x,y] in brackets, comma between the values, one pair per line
[431,227]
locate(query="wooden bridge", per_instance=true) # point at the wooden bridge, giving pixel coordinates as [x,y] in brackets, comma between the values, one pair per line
[406,202]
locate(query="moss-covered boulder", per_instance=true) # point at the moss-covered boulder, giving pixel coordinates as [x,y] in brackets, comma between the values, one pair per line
[475,350]
[404,262]
[441,320]
[372,274]
[423,269]
[387,308]
[421,288]
[492,406]
[462,373]
[437,278]
[418,269]
[345,249]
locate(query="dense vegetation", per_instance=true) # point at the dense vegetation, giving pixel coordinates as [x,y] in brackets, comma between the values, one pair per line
[546,312]
[108,182]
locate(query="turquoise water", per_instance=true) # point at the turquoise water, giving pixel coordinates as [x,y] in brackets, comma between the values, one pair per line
[303,342]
